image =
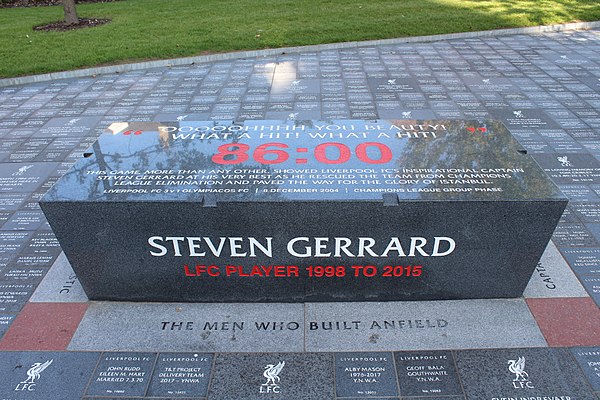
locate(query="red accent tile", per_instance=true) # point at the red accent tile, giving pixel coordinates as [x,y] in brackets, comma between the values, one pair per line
[567,321]
[44,326]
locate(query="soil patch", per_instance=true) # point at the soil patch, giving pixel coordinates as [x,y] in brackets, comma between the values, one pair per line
[39,3]
[63,26]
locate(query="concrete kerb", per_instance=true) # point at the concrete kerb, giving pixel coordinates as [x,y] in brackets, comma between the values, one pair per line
[112,69]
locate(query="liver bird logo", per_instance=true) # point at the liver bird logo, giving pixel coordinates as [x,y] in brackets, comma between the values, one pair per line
[517,367]
[21,171]
[272,373]
[564,161]
[36,369]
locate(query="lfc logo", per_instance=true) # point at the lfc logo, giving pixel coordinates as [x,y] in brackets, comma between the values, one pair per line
[21,171]
[564,161]
[272,374]
[33,374]
[521,380]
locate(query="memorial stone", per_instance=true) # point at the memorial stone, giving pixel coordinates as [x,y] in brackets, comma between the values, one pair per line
[52,375]
[181,375]
[278,376]
[574,235]
[5,322]
[304,211]
[12,243]
[592,285]
[13,296]
[521,374]
[589,360]
[584,261]
[122,374]
[427,374]
[41,251]
[369,375]
[25,221]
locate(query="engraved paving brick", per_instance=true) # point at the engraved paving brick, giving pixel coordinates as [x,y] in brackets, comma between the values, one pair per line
[427,374]
[521,373]
[122,374]
[273,375]
[181,375]
[365,375]
[45,375]
[589,361]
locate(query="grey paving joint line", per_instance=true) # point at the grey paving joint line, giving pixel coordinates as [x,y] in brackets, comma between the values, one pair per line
[574,26]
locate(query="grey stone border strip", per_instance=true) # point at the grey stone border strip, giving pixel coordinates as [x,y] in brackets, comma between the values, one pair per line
[111,69]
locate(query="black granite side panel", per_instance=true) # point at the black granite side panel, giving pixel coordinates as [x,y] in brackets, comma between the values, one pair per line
[497,247]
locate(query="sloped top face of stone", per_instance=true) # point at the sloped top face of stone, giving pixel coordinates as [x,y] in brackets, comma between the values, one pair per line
[273,161]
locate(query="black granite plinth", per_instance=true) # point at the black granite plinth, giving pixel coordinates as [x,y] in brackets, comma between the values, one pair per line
[304,211]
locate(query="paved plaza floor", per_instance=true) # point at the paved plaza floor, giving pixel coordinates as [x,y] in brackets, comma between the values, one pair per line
[55,344]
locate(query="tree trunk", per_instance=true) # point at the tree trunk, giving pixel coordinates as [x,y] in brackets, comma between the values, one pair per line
[70,12]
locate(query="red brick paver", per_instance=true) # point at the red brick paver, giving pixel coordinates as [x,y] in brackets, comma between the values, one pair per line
[44,326]
[567,321]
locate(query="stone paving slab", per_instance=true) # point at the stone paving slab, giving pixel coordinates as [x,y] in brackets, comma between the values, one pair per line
[424,325]
[549,373]
[589,361]
[190,327]
[303,376]
[43,326]
[562,324]
[60,285]
[427,373]
[64,375]
[522,373]
[543,87]
[553,278]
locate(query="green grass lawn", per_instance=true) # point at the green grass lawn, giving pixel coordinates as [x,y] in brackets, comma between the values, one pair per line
[155,29]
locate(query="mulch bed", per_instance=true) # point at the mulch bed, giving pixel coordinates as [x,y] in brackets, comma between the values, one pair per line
[63,26]
[59,25]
